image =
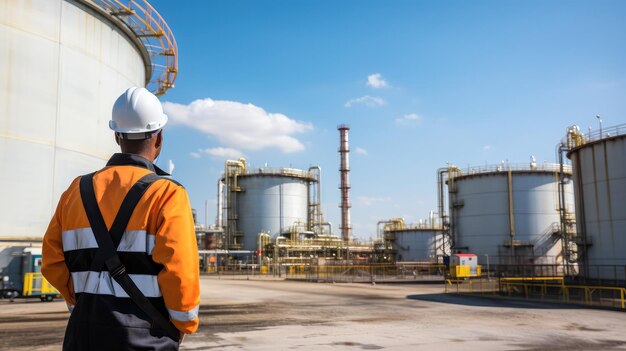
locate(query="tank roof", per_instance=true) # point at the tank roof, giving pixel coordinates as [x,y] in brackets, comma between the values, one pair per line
[280,172]
[576,140]
[415,229]
[456,172]
[397,225]
[150,33]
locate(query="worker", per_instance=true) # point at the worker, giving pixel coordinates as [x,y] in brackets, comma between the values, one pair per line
[121,246]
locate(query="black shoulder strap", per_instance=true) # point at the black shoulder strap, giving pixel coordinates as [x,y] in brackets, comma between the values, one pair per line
[128,206]
[96,221]
[121,219]
[107,252]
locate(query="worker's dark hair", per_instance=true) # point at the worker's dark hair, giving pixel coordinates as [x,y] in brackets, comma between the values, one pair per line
[137,136]
[135,146]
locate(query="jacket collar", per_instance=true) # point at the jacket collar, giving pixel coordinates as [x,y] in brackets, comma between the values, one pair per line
[123,159]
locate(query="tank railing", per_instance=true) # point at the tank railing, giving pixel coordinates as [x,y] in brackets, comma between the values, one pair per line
[426,225]
[282,171]
[596,135]
[322,242]
[550,167]
[155,35]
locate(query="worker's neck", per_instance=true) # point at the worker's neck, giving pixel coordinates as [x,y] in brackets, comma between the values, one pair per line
[150,156]
[147,155]
[148,149]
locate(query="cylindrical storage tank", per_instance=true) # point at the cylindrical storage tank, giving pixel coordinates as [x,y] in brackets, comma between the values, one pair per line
[509,213]
[270,202]
[415,244]
[599,167]
[62,65]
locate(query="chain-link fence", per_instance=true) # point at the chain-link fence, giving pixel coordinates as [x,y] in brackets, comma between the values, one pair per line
[359,273]
[335,272]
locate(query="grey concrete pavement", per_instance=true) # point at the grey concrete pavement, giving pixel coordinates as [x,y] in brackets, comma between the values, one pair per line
[272,314]
[283,315]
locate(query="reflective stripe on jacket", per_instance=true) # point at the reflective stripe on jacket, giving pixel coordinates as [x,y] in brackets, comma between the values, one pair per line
[158,249]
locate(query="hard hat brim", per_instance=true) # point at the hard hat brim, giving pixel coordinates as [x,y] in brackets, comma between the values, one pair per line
[150,128]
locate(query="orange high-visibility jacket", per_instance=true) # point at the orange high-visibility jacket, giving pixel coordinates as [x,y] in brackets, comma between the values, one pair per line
[158,247]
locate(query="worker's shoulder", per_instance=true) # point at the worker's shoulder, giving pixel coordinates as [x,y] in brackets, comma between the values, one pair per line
[71,193]
[168,179]
[74,186]
[167,189]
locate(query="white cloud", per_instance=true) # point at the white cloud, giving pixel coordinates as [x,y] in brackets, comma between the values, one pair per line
[376,81]
[223,152]
[411,119]
[360,151]
[369,200]
[487,147]
[369,101]
[218,153]
[235,124]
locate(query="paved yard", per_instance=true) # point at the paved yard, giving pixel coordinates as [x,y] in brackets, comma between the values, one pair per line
[283,315]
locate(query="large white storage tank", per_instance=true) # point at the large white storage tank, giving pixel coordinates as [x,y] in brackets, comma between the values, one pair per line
[416,244]
[62,64]
[599,165]
[509,213]
[271,201]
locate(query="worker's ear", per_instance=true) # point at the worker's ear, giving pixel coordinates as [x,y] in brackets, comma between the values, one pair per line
[159,139]
[117,139]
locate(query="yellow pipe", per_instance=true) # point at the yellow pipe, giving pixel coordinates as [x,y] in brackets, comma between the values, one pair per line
[394,224]
[232,169]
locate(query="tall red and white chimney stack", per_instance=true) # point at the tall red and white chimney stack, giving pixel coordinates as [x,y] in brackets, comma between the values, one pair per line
[344,170]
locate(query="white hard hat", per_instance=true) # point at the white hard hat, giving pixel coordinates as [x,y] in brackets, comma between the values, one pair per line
[137,111]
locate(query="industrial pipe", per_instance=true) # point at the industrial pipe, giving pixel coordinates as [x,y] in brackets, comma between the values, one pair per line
[511,213]
[574,138]
[378,231]
[325,224]
[440,195]
[561,150]
[330,227]
[399,224]
[261,247]
[317,204]
[220,194]
[447,222]
[232,170]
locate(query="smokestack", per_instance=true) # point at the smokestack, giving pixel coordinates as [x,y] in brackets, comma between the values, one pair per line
[344,169]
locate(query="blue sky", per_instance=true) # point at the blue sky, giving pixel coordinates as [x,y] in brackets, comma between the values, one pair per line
[420,83]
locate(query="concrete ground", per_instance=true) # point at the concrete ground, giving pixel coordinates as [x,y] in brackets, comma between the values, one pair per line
[240,314]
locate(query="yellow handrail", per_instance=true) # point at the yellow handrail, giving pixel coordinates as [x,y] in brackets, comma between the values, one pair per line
[565,290]
[512,285]
[530,278]
[151,29]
